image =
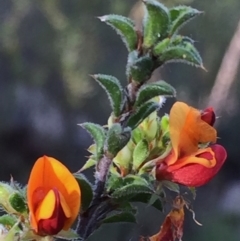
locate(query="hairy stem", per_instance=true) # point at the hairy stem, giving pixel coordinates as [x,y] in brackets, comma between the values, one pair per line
[88,220]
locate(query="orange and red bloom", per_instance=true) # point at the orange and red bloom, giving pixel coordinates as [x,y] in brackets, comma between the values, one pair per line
[188,164]
[53,196]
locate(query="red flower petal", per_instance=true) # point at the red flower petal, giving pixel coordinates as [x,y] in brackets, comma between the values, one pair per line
[208,116]
[55,223]
[195,175]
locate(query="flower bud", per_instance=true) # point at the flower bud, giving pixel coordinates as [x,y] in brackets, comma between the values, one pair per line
[6,195]
[123,160]
[150,126]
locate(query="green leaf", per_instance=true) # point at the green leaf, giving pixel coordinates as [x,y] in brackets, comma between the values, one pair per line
[114,182]
[141,70]
[171,186]
[17,201]
[122,217]
[89,163]
[186,54]
[141,113]
[7,220]
[193,191]
[67,235]
[98,134]
[140,153]
[130,191]
[181,15]
[156,22]
[86,190]
[114,91]
[117,138]
[161,46]
[149,91]
[124,27]
[137,135]
[150,199]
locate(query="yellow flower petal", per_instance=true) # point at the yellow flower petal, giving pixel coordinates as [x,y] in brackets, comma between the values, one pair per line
[46,207]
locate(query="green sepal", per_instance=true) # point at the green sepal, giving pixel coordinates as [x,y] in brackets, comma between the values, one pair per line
[161,46]
[141,70]
[86,190]
[67,235]
[124,27]
[7,220]
[141,113]
[181,15]
[156,23]
[117,138]
[122,217]
[18,203]
[114,91]
[186,53]
[98,134]
[149,91]
[140,153]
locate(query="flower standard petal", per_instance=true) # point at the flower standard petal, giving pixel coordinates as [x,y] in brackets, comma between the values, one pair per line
[187,130]
[49,173]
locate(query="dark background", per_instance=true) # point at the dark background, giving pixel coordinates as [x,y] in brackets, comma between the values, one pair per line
[47,51]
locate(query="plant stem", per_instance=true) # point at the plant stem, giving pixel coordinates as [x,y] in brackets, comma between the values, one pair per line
[89,219]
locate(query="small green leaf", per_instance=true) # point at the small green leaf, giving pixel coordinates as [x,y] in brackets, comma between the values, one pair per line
[89,163]
[156,23]
[98,134]
[193,191]
[141,70]
[130,191]
[148,198]
[140,153]
[149,91]
[124,27]
[171,186]
[67,235]
[161,46]
[117,138]
[17,201]
[114,182]
[7,220]
[186,54]
[114,91]
[164,123]
[123,217]
[86,190]
[137,135]
[141,113]
[181,15]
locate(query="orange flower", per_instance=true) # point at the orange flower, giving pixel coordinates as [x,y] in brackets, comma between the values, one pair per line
[187,164]
[53,197]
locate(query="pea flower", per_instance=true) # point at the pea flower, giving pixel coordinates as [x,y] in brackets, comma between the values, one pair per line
[53,197]
[188,164]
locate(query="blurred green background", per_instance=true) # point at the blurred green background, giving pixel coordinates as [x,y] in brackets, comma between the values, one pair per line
[47,51]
